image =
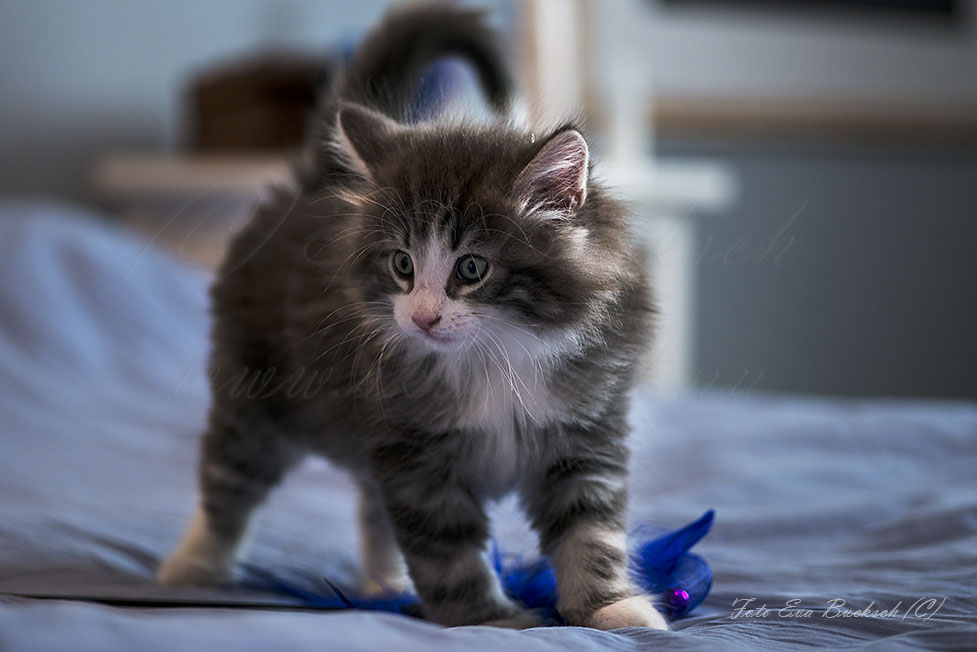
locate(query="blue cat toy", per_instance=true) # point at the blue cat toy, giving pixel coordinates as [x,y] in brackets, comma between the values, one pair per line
[663,566]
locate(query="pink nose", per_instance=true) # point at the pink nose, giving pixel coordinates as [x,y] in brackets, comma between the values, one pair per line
[426,322]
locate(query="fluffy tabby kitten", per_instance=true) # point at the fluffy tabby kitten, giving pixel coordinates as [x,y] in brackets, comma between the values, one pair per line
[452,313]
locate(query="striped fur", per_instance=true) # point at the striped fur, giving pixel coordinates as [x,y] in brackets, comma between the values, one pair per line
[517,381]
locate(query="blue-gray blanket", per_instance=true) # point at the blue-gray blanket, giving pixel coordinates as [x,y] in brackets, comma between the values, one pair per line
[842,524]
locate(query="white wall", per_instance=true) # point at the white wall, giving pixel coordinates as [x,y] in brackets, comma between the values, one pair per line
[79,77]
[777,51]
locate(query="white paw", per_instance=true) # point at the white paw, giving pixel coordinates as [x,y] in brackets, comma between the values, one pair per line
[637,611]
[187,570]
[201,557]
[376,587]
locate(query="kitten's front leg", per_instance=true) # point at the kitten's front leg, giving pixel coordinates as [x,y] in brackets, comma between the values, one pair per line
[578,507]
[384,569]
[442,529]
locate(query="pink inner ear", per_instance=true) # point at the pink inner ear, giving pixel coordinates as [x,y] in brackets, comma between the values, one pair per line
[557,176]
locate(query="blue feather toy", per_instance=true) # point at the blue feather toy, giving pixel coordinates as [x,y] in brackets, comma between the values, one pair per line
[662,566]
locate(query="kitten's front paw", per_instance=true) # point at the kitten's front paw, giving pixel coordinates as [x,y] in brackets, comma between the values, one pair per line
[637,611]
[186,570]
[377,587]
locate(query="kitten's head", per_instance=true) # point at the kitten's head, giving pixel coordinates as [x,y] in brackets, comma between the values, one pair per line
[482,237]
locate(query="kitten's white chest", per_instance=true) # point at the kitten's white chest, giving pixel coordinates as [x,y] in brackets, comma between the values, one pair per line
[503,408]
[501,397]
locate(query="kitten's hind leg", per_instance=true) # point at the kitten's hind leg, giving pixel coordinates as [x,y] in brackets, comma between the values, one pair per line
[384,569]
[238,466]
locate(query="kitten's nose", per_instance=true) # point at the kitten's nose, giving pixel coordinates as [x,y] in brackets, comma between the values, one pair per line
[426,321]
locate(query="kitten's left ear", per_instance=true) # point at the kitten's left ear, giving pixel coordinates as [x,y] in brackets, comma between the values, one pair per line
[556,178]
[364,135]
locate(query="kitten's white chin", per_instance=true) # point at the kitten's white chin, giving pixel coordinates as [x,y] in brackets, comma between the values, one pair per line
[437,342]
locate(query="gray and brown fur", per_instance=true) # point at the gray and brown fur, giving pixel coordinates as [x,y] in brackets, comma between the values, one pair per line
[313,352]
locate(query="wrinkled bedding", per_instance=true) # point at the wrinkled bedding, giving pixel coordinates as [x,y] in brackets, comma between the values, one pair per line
[846,524]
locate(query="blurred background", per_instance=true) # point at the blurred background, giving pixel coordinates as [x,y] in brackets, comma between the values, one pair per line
[806,172]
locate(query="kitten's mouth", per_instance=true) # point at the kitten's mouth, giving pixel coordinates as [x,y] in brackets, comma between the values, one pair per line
[442,342]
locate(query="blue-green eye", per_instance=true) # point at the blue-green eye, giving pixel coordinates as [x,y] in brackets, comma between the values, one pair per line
[471,268]
[403,264]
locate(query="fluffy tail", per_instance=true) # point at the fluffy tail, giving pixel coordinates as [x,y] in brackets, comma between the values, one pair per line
[389,64]
[387,69]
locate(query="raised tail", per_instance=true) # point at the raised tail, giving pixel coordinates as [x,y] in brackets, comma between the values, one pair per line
[386,71]
[388,65]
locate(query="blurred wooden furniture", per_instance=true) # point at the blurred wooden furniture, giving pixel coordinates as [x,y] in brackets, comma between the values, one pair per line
[261,102]
[190,203]
[924,121]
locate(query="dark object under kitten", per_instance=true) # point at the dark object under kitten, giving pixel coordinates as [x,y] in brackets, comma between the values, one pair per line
[452,313]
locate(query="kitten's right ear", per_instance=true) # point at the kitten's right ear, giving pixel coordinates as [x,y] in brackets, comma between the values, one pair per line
[363,137]
[556,178]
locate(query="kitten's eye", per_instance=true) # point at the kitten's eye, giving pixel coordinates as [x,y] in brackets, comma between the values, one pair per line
[471,268]
[403,264]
